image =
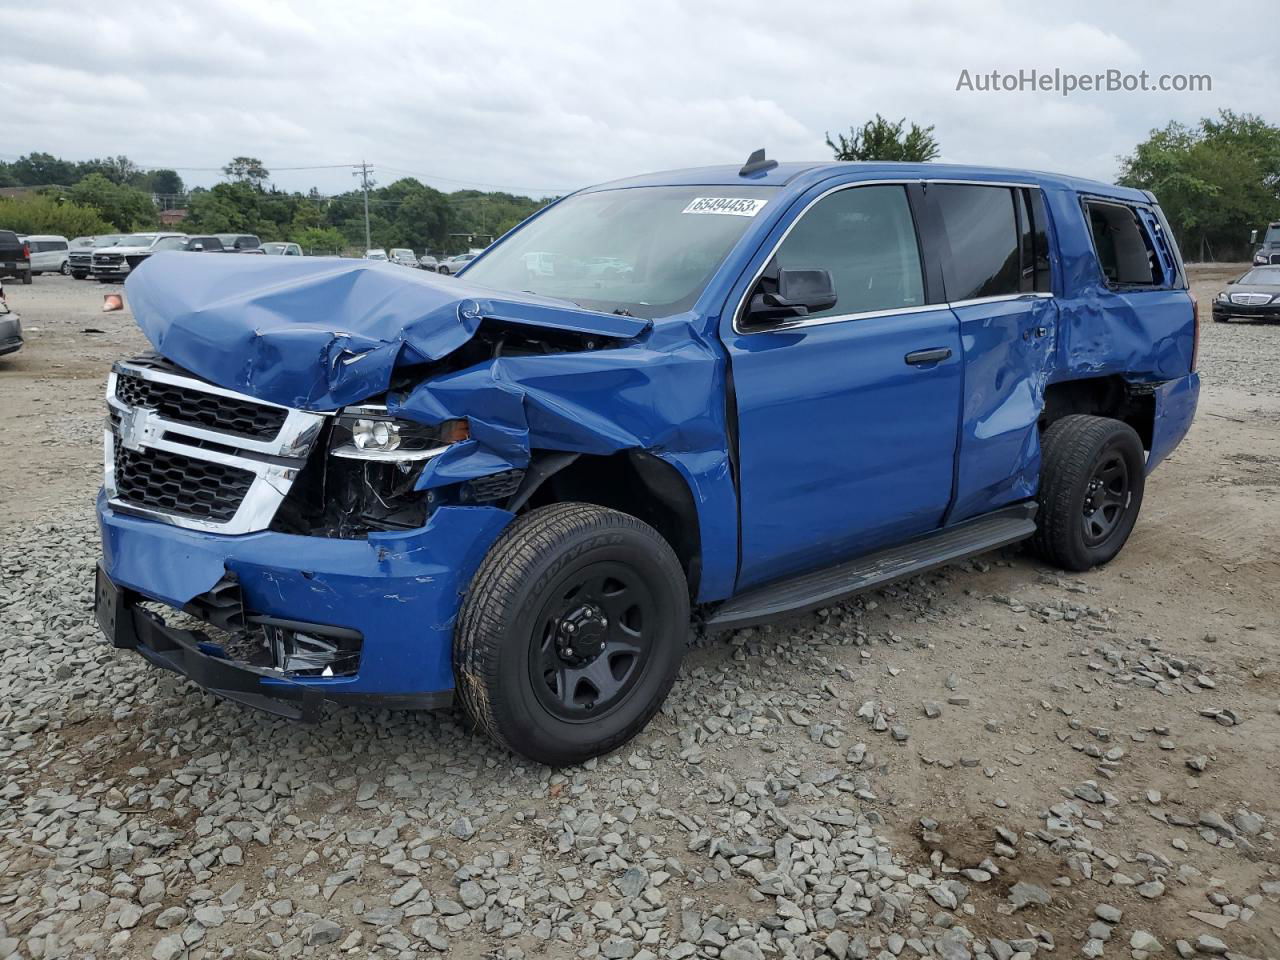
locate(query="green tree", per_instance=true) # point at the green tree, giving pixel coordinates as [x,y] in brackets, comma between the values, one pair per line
[882,139]
[319,241]
[128,208]
[248,170]
[41,169]
[45,214]
[164,182]
[1215,180]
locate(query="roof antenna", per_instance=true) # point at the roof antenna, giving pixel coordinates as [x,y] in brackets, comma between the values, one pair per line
[756,163]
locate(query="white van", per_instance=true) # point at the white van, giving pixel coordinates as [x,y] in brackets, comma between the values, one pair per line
[49,254]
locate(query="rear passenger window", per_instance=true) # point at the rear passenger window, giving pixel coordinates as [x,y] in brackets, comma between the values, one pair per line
[982,231]
[866,238]
[1126,254]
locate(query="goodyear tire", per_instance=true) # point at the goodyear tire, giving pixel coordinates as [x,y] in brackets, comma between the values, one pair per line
[1092,477]
[571,633]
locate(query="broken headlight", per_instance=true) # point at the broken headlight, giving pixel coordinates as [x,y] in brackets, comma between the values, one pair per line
[370,433]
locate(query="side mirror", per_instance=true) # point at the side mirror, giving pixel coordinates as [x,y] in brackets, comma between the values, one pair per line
[799,293]
[1253,236]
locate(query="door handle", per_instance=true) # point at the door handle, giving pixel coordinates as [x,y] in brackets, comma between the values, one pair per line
[922,357]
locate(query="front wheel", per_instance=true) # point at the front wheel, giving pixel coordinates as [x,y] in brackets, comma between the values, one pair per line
[1092,477]
[443,270]
[571,633]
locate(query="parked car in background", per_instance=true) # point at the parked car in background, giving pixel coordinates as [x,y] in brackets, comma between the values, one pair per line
[10,327]
[428,262]
[118,261]
[1269,252]
[81,255]
[15,257]
[277,248]
[49,254]
[377,253]
[404,256]
[240,242]
[207,244]
[454,264]
[810,379]
[1253,296]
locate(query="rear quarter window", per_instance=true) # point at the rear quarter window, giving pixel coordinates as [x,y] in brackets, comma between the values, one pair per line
[1125,250]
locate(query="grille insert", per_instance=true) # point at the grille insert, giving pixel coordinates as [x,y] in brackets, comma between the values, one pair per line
[172,483]
[210,410]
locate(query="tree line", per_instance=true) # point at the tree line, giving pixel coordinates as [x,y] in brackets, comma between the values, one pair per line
[114,196]
[1216,180]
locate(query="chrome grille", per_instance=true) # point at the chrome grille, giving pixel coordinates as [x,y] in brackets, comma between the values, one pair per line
[244,418]
[175,484]
[190,453]
[1250,299]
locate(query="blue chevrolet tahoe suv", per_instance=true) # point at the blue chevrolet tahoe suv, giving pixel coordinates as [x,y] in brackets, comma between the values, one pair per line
[700,399]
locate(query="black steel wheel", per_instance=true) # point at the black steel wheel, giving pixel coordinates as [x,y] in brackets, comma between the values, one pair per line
[1092,477]
[1107,497]
[571,633]
[592,640]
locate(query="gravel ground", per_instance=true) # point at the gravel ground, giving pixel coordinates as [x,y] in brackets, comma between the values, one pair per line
[995,760]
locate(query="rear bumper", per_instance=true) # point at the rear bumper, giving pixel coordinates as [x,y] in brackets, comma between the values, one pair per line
[1176,402]
[399,592]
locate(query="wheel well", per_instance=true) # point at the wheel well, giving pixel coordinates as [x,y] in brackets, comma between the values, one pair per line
[1112,397]
[637,483]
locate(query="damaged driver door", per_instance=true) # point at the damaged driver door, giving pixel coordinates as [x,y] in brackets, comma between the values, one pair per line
[847,415]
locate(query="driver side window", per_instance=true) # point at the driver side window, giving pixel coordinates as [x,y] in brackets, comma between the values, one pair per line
[865,237]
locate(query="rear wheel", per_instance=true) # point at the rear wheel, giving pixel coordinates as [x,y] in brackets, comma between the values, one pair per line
[1092,477]
[26,277]
[571,633]
[65,269]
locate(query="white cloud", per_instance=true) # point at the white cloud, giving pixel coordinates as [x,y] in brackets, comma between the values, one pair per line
[553,96]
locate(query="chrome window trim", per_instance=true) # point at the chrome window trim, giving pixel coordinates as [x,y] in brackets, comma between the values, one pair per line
[271,481]
[801,322]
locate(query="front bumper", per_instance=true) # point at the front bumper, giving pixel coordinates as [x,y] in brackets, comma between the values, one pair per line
[400,592]
[1262,311]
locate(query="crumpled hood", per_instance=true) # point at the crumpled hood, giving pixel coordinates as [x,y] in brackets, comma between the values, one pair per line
[320,332]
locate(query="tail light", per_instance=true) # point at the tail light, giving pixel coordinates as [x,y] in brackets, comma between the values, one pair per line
[1195,347]
[26,251]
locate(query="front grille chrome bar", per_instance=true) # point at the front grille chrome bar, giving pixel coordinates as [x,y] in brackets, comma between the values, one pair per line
[274,460]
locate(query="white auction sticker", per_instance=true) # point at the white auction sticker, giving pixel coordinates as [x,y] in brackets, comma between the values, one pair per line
[733,206]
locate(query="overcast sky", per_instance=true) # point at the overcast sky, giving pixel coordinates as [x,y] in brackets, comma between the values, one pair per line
[546,97]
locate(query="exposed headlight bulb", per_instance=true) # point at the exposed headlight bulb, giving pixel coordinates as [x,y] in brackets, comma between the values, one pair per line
[375,434]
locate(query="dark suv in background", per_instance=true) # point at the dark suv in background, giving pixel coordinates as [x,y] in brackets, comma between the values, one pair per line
[15,257]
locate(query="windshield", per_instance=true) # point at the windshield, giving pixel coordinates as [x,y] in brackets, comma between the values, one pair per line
[648,251]
[274,247]
[1268,277]
[110,241]
[1272,239]
[137,240]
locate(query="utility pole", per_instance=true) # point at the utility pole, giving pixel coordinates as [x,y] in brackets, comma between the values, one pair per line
[363,174]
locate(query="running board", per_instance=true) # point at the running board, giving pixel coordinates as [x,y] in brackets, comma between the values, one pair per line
[820,587]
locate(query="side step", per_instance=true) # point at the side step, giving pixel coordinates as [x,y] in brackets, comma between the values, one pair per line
[811,590]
